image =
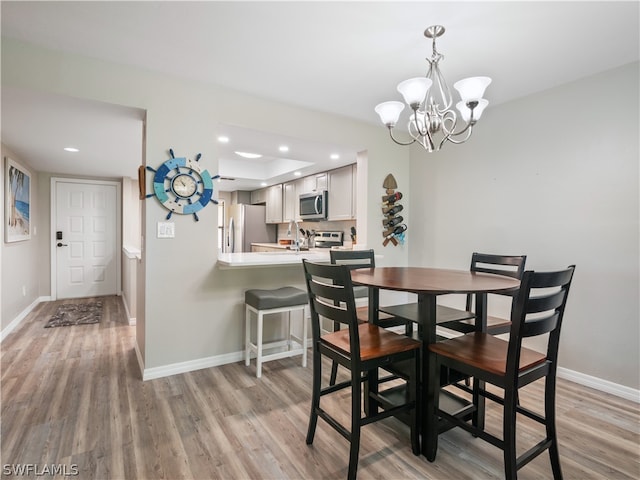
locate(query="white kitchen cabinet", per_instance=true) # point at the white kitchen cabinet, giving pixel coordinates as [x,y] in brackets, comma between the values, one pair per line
[259,196]
[314,183]
[274,204]
[341,204]
[290,201]
[354,192]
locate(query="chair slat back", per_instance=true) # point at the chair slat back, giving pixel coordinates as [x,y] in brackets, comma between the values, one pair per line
[539,326]
[538,309]
[323,288]
[507,265]
[331,296]
[353,258]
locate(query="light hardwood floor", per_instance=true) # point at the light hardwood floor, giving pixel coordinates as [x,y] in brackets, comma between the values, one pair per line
[73,395]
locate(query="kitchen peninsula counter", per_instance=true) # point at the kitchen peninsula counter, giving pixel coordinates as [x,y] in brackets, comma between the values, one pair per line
[284,258]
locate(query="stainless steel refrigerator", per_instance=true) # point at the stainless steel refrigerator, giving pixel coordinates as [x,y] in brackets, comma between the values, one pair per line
[244,225]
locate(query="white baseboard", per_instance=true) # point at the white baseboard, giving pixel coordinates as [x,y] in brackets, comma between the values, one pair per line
[21,316]
[139,357]
[215,361]
[191,365]
[132,320]
[600,384]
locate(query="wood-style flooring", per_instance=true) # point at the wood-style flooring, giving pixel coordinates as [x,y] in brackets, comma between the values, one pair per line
[74,396]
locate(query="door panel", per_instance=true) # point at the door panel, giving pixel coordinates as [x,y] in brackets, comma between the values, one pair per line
[86,257]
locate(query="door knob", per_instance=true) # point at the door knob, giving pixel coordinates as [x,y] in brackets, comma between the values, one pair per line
[60,244]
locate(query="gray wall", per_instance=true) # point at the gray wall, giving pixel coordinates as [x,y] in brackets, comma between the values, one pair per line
[20,262]
[553,176]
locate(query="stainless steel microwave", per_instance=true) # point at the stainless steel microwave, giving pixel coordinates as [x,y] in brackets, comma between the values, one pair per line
[313,206]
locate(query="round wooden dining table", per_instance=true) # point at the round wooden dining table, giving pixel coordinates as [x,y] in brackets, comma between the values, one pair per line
[428,284]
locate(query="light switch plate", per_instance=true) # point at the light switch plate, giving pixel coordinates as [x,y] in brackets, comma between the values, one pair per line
[166,230]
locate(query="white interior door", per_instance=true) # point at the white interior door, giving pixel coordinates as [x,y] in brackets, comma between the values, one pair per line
[85,236]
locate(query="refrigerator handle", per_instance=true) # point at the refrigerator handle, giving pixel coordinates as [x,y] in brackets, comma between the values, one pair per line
[230,235]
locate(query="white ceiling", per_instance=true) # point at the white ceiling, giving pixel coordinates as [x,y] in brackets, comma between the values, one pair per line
[337,57]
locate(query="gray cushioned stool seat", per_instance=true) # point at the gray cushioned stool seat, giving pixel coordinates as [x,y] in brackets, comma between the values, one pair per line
[276,301]
[276,298]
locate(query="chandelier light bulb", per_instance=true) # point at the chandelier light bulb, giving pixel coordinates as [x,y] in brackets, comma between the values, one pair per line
[389,112]
[472,89]
[465,111]
[414,90]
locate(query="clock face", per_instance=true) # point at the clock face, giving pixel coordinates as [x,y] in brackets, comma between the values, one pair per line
[184,185]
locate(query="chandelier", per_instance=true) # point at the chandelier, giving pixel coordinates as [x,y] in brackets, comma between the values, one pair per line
[433,121]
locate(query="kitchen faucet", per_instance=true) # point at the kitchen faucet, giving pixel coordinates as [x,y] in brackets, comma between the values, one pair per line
[294,223]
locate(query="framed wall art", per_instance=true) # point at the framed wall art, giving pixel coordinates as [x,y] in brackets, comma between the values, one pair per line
[17,202]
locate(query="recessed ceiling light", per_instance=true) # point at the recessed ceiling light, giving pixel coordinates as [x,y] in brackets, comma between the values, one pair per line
[71,149]
[297,174]
[283,148]
[248,155]
[263,184]
[335,156]
[223,139]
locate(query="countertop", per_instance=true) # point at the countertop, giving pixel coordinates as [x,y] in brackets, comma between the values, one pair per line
[271,259]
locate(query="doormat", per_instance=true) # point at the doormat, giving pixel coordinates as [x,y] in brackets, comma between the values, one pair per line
[76,314]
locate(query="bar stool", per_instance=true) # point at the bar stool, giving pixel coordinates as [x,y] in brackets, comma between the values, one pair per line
[266,302]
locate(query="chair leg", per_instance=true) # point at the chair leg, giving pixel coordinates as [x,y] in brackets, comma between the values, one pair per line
[509,433]
[408,329]
[479,401]
[550,424]
[371,406]
[414,417]
[289,343]
[259,345]
[315,394]
[247,336]
[430,422]
[356,416]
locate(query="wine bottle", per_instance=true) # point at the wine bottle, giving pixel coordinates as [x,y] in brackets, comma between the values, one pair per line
[392,211]
[391,199]
[392,221]
[392,232]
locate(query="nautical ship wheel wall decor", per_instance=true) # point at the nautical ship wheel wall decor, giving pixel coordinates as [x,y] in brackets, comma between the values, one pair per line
[182,186]
[393,226]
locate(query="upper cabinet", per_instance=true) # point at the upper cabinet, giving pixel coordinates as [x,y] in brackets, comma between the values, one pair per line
[283,203]
[274,204]
[259,196]
[314,183]
[341,193]
[290,205]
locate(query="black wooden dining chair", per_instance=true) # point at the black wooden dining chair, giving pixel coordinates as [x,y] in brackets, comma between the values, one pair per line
[354,259]
[539,309]
[464,320]
[362,348]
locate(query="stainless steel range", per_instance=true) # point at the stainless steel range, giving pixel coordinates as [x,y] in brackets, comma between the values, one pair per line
[328,239]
